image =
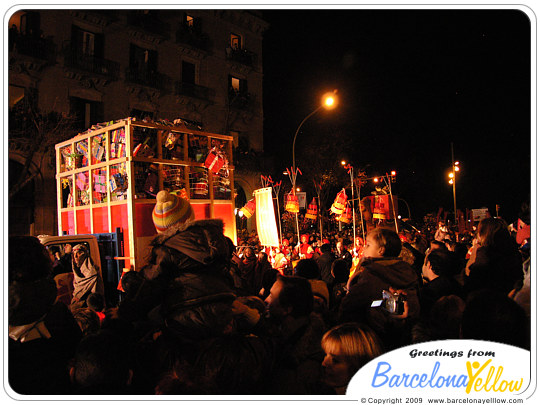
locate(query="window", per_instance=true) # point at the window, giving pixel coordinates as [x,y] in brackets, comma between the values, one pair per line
[30,24]
[188,72]
[87,112]
[142,60]
[236,41]
[86,43]
[237,85]
[190,21]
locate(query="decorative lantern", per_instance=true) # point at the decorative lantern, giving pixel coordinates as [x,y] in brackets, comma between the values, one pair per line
[215,160]
[381,208]
[292,204]
[346,215]
[339,203]
[249,208]
[312,210]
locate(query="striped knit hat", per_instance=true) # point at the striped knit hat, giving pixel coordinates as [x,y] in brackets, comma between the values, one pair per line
[170,210]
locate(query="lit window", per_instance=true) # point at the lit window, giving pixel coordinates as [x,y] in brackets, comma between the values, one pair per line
[235,84]
[236,41]
[190,21]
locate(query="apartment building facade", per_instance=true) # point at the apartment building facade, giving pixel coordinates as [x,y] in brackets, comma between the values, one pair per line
[203,66]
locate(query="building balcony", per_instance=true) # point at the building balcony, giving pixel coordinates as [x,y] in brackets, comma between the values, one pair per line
[35,47]
[149,23]
[192,37]
[91,64]
[242,56]
[241,100]
[192,90]
[147,78]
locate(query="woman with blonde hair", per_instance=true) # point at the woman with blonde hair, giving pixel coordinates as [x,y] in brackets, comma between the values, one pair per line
[348,347]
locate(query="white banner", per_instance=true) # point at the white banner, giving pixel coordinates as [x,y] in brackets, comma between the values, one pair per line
[266,218]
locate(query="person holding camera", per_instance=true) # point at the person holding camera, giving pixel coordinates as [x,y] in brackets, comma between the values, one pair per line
[383,290]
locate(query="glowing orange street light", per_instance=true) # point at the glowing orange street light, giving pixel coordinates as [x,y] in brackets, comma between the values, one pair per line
[329,102]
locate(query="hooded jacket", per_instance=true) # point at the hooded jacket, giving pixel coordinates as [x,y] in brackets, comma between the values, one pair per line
[372,277]
[189,266]
[190,247]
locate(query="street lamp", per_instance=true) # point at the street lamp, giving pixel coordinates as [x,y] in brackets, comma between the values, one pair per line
[329,101]
[452,181]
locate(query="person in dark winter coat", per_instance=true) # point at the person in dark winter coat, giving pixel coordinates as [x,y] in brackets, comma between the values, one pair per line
[247,271]
[495,261]
[343,253]
[299,330]
[324,261]
[381,270]
[439,271]
[43,334]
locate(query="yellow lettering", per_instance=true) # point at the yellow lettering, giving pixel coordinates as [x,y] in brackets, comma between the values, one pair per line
[479,384]
[490,374]
[516,387]
[472,377]
[497,376]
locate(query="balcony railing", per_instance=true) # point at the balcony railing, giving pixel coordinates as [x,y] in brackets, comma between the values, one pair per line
[36,47]
[147,78]
[193,37]
[241,56]
[192,90]
[93,64]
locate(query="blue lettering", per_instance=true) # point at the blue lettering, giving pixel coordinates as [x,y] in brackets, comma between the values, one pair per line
[394,381]
[423,380]
[381,374]
[415,376]
[462,380]
[440,382]
[434,373]
[406,382]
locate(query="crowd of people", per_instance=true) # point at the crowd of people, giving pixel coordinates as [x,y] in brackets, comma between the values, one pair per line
[207,317]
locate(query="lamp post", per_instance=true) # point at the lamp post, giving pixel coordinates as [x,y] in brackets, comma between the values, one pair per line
[329,102]
[452,181]
[350,168]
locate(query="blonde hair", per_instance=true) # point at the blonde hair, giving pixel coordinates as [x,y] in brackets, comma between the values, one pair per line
[387,239]
[493,232]
[356,343]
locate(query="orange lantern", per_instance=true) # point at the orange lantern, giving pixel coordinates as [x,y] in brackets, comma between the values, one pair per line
[380,208]
[312,210]
[339,203]
[292,204]
[249,208]
[346,215]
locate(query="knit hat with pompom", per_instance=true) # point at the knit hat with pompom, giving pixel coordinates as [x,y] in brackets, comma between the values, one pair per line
[171,210]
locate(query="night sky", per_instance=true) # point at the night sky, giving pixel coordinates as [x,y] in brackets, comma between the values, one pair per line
[411,82]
